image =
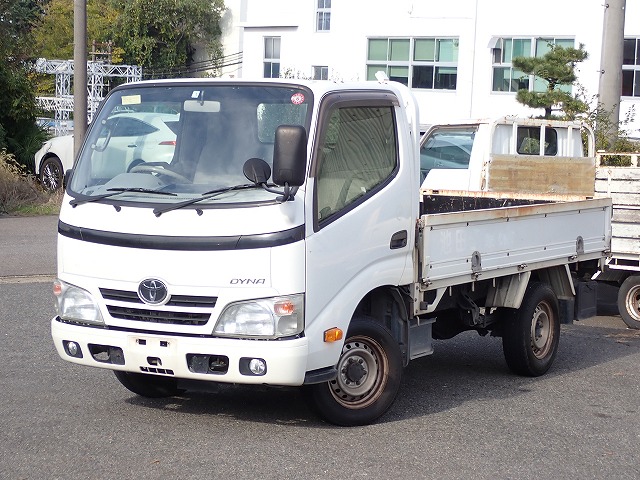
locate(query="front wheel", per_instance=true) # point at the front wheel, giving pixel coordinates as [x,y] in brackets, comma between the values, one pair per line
[151,386]
[369,374]
[629,301]
[531,333]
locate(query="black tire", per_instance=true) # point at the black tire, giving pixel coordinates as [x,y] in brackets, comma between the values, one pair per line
[51,173]
[629,301]
[369,374]
[531,334]
[151,386]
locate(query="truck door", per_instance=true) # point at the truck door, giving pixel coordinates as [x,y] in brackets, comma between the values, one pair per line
[362,205]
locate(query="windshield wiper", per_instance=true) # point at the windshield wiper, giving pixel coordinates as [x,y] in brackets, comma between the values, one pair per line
[205,196]
[117,191]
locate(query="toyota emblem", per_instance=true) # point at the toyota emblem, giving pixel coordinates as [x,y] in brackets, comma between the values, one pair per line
[152,291]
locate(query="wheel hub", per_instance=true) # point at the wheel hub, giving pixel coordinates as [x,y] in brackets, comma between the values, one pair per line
[355,370]
[541,333]
[359,374]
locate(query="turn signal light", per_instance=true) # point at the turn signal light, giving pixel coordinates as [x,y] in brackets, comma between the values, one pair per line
[284,308]
[332,335]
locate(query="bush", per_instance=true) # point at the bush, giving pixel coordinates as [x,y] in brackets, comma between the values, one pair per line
[20,192]
[618,160]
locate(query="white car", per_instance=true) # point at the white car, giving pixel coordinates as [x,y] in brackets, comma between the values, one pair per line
[131,137]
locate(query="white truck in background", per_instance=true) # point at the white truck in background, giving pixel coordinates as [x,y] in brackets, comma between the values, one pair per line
[504,155]
[287,242]
[618,177]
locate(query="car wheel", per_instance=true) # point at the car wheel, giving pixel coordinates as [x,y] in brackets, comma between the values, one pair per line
[369,374]
[51,173]
[629,301]
[531,333]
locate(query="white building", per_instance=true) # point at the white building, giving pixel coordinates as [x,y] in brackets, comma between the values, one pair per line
[455,55]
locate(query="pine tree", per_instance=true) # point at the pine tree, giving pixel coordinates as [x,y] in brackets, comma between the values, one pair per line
[557,68]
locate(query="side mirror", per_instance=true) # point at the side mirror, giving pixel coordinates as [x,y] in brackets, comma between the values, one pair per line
[66,178]
[256,170]
[290,155]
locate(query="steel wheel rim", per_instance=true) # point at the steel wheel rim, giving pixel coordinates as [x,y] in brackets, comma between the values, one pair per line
[632,302]
[362,373]
[542,334]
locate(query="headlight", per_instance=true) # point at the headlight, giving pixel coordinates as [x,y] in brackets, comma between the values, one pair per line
[266,317]
[75,304]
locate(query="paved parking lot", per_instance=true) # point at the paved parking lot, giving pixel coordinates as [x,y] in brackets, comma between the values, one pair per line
[460,412]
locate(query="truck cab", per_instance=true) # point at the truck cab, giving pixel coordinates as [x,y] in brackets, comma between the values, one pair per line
[509,154]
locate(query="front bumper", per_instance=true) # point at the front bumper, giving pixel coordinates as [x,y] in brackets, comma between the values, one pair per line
[182,356]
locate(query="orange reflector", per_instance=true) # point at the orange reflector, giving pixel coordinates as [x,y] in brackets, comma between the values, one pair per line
[333,335]
[57,288]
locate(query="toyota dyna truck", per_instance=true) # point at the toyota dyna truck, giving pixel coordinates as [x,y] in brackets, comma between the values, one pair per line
[287,242]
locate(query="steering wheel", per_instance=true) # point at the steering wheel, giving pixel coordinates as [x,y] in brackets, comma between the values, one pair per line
[160,170]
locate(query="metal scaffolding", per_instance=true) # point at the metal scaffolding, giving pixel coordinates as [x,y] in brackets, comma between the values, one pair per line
[97,72]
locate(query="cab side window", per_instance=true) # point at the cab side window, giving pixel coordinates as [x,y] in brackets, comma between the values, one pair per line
[358,153]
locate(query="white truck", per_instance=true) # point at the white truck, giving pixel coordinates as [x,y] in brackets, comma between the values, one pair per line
[287,243]
[504,155]
[618,177]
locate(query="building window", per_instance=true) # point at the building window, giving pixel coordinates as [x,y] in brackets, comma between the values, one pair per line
[509,79]
[271,57]
[323,16]
[320,73]
[631,68]
[424,63]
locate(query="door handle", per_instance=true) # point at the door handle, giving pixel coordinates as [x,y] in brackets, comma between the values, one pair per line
[398,240]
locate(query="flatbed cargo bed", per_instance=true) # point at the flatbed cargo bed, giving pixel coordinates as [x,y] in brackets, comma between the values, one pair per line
[502,236]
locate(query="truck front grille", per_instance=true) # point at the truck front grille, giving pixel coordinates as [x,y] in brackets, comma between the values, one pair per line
[158,316]
[174,301]
[138,313]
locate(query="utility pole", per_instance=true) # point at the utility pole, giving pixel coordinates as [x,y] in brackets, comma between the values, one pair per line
[79,73]
[610,87]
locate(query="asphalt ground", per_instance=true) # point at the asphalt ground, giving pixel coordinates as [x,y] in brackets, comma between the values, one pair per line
[460,413]
[28,247]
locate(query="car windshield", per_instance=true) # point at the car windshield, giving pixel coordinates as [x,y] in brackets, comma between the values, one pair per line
[184,140]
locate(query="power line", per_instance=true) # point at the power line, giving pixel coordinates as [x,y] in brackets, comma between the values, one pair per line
[196,67]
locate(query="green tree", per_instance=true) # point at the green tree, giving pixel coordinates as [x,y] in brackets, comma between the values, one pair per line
[19,134]
[53,37]
[162,35]
[557,68]
[600,120]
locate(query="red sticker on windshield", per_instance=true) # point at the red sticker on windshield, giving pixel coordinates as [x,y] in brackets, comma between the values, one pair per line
[297,98]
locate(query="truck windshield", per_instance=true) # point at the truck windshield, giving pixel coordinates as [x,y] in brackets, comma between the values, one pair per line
[185,140]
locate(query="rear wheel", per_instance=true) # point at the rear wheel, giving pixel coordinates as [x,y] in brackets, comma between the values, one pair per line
[369,374]
[531,333]
[152,386]
[629,301]
[51,173]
